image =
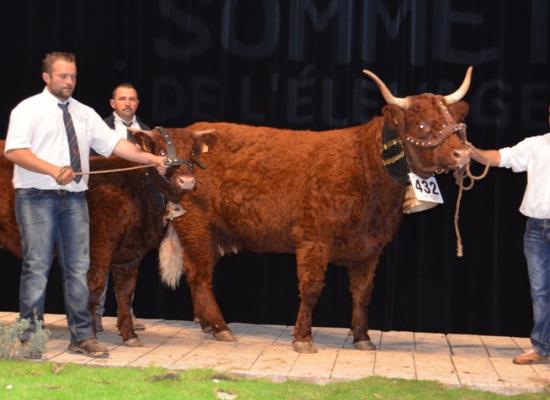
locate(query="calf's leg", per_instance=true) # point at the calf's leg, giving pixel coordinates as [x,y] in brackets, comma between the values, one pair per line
[199,259]
[124,284]
[96,283]
[198,272]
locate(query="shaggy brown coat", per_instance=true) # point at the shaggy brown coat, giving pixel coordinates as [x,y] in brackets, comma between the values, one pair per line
[324,196]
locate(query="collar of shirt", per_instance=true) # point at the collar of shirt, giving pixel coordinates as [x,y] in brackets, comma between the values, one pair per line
[120,121]
[50,98]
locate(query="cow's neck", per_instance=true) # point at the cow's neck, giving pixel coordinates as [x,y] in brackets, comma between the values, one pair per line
[393,156]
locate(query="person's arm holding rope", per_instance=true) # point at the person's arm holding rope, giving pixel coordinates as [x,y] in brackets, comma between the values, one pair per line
[129,151]
[25,158]
[486,157]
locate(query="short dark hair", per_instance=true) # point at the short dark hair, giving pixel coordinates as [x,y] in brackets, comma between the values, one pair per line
[50,58]
[123,85]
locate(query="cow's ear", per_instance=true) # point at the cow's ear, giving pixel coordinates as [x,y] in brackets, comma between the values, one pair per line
[204,140]
[144,139]
[394,117]
[459,110]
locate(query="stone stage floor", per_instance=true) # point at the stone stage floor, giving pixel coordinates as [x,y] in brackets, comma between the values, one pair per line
[265,351]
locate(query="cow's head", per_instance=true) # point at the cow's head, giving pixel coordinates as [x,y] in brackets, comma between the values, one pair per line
[181,147]
[429,126]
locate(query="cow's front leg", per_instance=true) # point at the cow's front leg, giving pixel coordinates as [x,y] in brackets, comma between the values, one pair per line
[199,258]
[311,260]
[361,277]
[124,284]
[205,307]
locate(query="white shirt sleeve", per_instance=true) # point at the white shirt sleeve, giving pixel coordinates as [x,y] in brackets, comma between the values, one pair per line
[103,140]
[20,129]
[517,157]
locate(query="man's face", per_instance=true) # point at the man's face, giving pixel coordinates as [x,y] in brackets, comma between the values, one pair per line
[125,103]
[62,79]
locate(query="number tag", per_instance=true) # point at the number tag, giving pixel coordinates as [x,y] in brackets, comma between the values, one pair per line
[426,189]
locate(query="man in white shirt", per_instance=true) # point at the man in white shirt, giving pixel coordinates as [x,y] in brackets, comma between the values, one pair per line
[49,140]
[532,155]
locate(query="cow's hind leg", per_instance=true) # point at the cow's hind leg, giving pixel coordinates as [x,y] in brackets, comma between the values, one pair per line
[97,275]
[361,279]
[124,284]
[311,260]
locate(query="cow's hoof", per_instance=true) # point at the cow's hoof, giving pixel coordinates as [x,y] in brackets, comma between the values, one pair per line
[304,347]
[364,345]
[207,329]
[133,342]
[225,336]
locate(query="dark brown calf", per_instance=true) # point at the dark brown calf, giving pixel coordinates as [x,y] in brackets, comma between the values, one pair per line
[126,219]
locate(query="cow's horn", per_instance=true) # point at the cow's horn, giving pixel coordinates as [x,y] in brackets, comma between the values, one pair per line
[461,91]
[135,130]
[203,132]
[390,98]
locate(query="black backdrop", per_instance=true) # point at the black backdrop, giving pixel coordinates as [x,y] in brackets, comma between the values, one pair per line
[298,64]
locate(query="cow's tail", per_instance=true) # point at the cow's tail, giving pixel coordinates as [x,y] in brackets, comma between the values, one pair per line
[171,258]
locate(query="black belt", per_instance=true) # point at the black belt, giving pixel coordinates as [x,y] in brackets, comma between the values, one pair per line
[50,191]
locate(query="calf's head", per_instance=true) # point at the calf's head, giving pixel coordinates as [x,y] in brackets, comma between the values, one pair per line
[182,147]
[430,127]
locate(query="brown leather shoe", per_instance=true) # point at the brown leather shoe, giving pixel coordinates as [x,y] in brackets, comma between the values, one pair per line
[530,357]
[89,347]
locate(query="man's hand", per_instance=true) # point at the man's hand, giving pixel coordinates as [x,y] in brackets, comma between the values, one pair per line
[486,157]
[129,151]
[64,175]
[161,165]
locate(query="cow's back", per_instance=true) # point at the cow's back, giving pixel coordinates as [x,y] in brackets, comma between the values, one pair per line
[268,189]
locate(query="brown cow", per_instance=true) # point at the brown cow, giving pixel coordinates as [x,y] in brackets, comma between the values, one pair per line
[328,197]
[126,219]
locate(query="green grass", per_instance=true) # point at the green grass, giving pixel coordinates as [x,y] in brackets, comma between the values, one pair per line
[46,380]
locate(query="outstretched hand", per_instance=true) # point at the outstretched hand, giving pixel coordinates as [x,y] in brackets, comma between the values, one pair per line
[485,157]
[474,153]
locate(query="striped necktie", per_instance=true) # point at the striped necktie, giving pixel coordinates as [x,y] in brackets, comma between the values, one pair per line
[73,142]
[129,135]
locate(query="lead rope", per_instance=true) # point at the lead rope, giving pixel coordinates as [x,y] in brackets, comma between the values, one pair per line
[459,176]
[107,171]
[104,171]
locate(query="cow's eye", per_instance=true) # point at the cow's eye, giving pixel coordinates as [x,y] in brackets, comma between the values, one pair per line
[162,153]
[422,130]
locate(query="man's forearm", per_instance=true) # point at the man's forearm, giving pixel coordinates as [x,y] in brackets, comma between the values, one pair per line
[28,160]
[129,151]
[490,157]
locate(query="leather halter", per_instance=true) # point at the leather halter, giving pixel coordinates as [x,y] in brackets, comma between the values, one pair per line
[172,159]
[412,144]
